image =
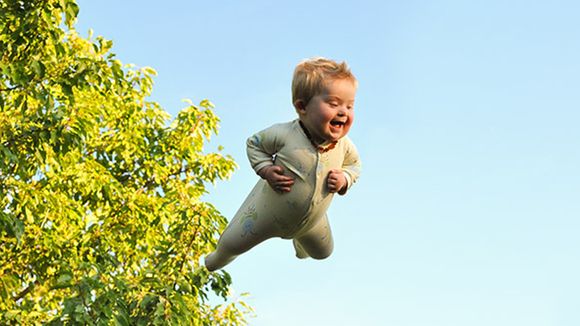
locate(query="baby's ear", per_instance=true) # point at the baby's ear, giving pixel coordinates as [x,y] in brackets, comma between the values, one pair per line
[300,106]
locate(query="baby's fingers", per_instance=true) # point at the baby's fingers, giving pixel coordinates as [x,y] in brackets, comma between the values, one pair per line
[283,178]
[331,184]
[335,173]
[283,189]
[285,186]
[283,183]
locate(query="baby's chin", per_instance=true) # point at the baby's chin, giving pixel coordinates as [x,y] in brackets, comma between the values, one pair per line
[335,136]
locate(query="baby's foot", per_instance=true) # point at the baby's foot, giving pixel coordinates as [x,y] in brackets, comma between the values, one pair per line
[300,252]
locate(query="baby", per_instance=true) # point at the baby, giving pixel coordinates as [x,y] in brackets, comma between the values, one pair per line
[302,164]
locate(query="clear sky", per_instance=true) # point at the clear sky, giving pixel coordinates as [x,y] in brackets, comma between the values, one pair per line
[467,121]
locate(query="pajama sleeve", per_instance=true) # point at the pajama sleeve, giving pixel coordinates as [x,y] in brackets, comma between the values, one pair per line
[351,166]
[262,146]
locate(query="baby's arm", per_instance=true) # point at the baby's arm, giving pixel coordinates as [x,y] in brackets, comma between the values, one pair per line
[261,148]
[340,180]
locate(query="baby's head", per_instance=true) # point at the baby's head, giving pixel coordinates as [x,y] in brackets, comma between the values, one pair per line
[323,94]
[312,75]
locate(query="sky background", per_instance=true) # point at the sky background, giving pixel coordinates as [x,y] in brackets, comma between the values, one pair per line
[467,212]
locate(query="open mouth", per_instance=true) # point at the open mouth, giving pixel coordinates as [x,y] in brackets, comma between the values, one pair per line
[337,123]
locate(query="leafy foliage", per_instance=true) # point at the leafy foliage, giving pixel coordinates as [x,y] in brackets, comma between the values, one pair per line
[101,220]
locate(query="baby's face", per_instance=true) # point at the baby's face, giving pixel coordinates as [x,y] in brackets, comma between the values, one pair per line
[329,115]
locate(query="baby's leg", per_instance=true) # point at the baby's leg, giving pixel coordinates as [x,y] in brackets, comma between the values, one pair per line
[252,224]
[233,242]
[316,242]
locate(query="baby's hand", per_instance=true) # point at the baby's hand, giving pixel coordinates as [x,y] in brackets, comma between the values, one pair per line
[336,181]
[274,174]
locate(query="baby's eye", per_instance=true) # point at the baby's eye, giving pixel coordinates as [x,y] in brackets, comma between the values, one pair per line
[333,104]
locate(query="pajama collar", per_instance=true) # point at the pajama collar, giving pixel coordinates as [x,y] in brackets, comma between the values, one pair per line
[320,149]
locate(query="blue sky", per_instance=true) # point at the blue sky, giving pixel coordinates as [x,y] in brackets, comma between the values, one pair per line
[467,211]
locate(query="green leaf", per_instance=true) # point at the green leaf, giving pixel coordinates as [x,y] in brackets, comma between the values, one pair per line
[206,104]
[38,68]
[13,225]
[148,300]
[122,319]
[71,13]
[64,279]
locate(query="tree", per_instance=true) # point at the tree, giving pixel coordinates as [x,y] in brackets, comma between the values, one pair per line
[101,216]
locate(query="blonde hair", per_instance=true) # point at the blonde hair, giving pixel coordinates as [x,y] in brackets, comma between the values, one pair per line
[311,76]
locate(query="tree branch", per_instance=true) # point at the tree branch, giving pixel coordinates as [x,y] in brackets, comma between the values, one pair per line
[184,256]
[25,291]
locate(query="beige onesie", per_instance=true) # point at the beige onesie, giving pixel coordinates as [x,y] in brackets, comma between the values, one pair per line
[299,214]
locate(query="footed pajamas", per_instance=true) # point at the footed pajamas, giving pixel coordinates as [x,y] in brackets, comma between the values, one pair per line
[299,214]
